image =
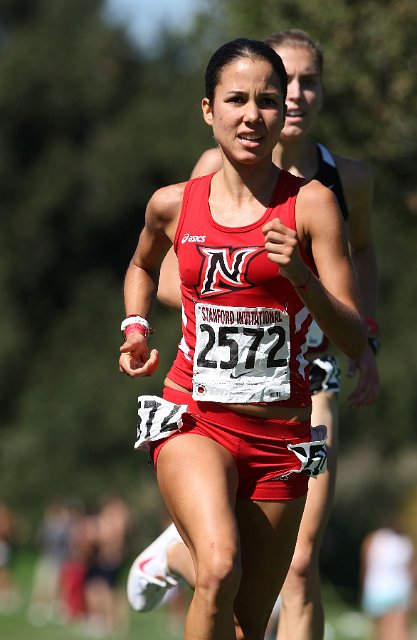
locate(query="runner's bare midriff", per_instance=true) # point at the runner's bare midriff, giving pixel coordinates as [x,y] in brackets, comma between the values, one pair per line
[291,414]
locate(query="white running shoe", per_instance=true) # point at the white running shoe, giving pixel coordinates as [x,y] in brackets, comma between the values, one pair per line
[149,578]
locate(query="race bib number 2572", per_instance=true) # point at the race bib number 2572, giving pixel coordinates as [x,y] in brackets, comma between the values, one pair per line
[241,354]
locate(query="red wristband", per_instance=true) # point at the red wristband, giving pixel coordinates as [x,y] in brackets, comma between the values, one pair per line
[372,326]
[131,328]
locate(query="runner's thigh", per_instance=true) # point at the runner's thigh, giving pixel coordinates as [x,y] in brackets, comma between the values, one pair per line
[198,481]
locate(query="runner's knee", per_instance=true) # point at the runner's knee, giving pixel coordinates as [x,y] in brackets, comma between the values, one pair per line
[302,563]
[218,576]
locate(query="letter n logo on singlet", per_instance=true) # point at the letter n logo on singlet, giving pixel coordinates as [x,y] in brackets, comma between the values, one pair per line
[224,269]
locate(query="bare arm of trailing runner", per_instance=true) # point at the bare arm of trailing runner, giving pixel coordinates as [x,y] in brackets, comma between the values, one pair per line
[357,182]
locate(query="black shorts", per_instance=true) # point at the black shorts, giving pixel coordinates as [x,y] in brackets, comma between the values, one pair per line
[109,574]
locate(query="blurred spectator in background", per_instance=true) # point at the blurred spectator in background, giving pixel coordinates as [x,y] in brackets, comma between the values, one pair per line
[388,582]
[9,594]
[53,539]
[74,568]
[76,577]
[107,534]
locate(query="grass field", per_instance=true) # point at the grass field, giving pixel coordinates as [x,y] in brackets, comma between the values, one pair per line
[151,626]
[15,625]
[343,622]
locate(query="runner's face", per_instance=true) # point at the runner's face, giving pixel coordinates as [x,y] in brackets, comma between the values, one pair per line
[247,112]
[305,91]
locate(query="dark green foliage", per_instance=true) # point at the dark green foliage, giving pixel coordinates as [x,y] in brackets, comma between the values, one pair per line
[87,131]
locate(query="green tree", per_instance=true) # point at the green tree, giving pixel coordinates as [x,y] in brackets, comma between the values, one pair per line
[88,129]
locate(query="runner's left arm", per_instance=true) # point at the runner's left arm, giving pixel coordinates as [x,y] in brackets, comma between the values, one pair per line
[358,180]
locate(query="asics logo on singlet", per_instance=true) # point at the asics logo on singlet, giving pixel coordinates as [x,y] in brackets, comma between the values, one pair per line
[225,269]
[187,238]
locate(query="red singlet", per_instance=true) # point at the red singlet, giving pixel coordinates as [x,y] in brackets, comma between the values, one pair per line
[244,326]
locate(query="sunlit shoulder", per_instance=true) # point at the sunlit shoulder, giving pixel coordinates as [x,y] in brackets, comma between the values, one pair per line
[316,207]
[165,204]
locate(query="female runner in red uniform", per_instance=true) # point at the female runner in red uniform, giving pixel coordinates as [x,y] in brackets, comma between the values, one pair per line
[301,614]
[233,470]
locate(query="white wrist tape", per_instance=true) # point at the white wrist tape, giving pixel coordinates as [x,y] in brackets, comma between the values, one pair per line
[136,320]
